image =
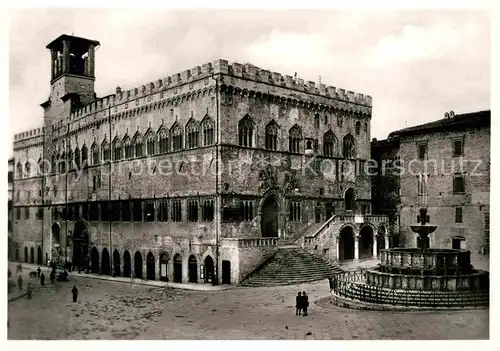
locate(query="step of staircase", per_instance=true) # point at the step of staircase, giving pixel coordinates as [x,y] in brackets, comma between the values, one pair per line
[290,266]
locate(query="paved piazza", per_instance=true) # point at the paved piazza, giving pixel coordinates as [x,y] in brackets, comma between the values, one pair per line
[112,310]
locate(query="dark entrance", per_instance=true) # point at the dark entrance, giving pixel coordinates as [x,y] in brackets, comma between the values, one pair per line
[350,202]
[163,267]
[209,269]
[366,242]
[192,269]
[138,265]
[226,272]
[329,210]
[116,264]
[269,225]
[105,264]
[32,255]
[17,254]
[456,242]
[80,244]
[178,268]
[94,261]
[346,244]
[127,266]
[26,257]
[39,256]
[150,266]
[56,232]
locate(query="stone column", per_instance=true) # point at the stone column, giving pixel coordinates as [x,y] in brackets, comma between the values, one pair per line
[170,269]
[185,269]
[90,63]
[356,247]
[157,267]
[65,58]
[53,63]
[375,245]
[386,241]
[337,247]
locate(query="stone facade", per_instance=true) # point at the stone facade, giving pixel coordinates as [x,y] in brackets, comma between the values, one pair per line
[179,172]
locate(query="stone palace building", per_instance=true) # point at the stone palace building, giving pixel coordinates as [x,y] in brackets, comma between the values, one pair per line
[208,170]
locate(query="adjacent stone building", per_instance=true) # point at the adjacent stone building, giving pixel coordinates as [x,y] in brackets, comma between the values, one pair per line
[454,155]
[204,171]
[12,253]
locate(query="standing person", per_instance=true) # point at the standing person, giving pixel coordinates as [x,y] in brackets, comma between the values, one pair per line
[29,289]
[75,293]
[38,272]
[20,282]
[52,276]
[42,279]
[298,304]
[305,298]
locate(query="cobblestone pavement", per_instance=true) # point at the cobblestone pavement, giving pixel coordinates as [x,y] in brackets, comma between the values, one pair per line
[109,310]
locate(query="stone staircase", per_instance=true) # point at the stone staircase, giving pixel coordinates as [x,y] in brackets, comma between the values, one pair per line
[290,266]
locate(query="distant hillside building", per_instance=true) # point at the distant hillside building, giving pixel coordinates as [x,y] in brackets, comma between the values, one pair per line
[208,170]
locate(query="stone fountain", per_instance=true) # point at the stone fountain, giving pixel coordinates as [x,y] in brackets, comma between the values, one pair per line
[409,278]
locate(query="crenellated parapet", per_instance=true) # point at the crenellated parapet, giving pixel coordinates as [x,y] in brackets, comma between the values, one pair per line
[29,138]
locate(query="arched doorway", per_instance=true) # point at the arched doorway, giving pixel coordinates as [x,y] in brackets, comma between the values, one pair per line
[192,269]
[366,242]
[177,268]
[94,261]
[226,272]
[346,244]
[116,264]
[127,265]
[269,217]
[39,256]
[163,267]
[209,269]
[150,266]
[32,255]
[56,232]
[80,244]
[350,199]
[138,265]
[105,268]
[26,257]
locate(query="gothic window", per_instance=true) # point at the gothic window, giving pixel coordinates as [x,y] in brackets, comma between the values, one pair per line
[271,142]
[207,211]
[77,158]
[127,145]
[162,215]
[106,151]
[126,214]
[40,169]
[27,167]
[294,138]
[104,211]
[117,149]
[316,121]
[246,209]
[84,156]
[245,131]
[20,169]
[164,142]
[358,127]
[115,211]
[295,211]
[94,211]
[176,211]
[176,133]
[192,215]
[69,159]
[207,127]
[138,145]
[192,132]
[329,144]
[95,154]
[62,163]
[137,210]
[150,143]
[349,147]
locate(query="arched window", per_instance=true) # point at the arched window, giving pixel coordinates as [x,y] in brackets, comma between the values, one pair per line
[138,145]
[106,151]
[176,132]
[358,127]
[69,159]
[94,149]
[40,169]
[329,144]
[326,120]
[62,163]
[77,158]
[245,131]
[127,145]
[294,138]
[19,170]
[53,164]
[164,142]
[84,156]
[349,147]
[27,168]
[316,121]
[192,132]
[150,143]
[117,149]
[271,142]
[207,126]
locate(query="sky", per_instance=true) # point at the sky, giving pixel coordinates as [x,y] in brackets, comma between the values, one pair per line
[416,64]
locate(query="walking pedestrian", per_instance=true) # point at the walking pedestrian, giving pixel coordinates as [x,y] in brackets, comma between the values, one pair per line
[38,271]
[29,290]
[298,304]
[20,282]
[42,279]
[52,276]
[75,293]
[305,305]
